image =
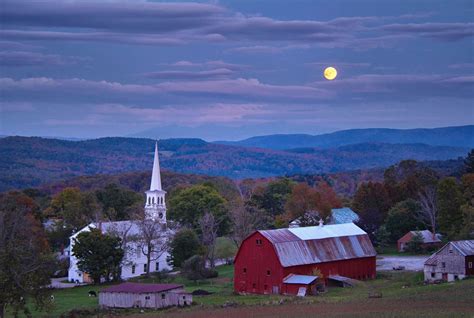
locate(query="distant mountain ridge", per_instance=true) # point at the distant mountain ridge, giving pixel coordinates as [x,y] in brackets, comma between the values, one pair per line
[32,161]
[459,136]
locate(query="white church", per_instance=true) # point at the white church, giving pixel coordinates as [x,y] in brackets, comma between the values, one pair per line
[134,262]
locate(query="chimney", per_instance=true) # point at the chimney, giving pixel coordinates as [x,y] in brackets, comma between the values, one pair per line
[321,222]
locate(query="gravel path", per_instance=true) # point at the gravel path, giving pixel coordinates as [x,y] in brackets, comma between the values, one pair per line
[411,263]
[57,283]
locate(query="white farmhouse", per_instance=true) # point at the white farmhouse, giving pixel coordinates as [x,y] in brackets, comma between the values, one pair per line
[135,262]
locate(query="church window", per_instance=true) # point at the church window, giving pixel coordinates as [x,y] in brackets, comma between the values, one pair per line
[149,200]
[161,215]
[144,268]
[157,266]
[133,269]
[162,296]
[153,200]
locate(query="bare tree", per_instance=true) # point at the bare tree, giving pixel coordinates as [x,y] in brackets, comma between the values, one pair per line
[429,211]
[209,226]
[123,231]
[153,240]
[245,220]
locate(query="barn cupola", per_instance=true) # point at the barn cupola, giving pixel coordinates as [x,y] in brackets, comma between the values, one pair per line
[155,205]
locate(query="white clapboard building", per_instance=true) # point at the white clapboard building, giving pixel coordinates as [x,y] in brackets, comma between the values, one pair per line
[134,262]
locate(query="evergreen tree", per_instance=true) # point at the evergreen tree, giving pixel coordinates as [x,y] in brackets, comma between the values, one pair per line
[371,202]
[188,205]
[184,245]
[449,201]
[99,255]
[382,239]
[402,218]
[117,202]
[76,208]
[416,244]
[469,162]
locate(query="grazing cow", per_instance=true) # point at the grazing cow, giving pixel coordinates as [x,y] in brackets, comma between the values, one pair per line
[92,293]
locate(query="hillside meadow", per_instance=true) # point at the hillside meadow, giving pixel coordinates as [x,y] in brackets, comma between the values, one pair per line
[403,295]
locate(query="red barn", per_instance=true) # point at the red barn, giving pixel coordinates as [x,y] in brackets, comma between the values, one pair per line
[266,258]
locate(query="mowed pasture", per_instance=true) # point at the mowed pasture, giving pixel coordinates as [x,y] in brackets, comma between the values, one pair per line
[403,295]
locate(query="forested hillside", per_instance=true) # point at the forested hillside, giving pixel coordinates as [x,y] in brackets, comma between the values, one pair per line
[462,136]
[31,161]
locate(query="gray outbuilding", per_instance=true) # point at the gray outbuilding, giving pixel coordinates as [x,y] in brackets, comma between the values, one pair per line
[453,261]
[136,295]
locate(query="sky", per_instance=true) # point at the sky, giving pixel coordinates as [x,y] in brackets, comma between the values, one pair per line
[228,70]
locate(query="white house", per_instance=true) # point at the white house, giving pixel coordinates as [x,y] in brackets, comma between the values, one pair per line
[134,262]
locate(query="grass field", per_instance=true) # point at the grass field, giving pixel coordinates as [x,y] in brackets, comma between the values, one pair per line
[403,295]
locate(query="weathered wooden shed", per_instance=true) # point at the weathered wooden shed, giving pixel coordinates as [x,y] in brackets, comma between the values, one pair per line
[266,258]
[293,284]
[453,261]
[135,295]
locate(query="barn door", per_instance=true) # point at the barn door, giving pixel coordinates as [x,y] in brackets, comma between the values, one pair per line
[275,290]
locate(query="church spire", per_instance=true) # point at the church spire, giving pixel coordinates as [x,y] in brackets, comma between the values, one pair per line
[155,175]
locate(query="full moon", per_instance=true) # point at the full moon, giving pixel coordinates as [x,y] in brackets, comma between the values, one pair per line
[330,73]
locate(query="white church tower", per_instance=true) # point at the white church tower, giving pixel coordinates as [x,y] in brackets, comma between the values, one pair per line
[155,205]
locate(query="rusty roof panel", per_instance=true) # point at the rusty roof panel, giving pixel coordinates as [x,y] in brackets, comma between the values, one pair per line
[318,244]
[280,235]
[324,250]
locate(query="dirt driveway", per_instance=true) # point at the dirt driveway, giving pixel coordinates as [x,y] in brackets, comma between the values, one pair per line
[411,263]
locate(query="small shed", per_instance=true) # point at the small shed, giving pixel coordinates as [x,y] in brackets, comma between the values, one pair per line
[453,261]
[136,295]
[430,240]
[293,283]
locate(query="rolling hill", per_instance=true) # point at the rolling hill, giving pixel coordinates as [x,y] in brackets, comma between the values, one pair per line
[31,161]
[461,136]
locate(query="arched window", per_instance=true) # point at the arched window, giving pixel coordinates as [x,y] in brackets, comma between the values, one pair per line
[161,200]
[153,200]
[149,200]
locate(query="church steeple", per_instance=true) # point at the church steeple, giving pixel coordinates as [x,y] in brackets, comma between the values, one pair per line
[155,205]
[155,175]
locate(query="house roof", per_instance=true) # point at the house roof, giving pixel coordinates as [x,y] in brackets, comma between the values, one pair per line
[466,247]
[338,216]
[318,244]
[299,279]
[130,227]
[137,288]
[343,215]
[426,235]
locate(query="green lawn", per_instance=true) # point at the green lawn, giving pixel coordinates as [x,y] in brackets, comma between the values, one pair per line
[396,287]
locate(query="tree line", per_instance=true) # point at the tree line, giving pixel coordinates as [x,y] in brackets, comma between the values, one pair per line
[209,224]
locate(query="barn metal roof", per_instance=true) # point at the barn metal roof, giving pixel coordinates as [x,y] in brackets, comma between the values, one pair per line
[320,232]
[299,279]
[137,288]
[465,247]
[318,244]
